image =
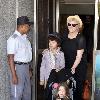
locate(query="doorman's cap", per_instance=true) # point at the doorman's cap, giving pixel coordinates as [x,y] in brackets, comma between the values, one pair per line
[23,20]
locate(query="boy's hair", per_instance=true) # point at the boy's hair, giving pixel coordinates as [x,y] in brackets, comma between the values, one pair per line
[55,37]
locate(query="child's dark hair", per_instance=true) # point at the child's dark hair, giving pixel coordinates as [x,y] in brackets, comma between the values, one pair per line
[55,37]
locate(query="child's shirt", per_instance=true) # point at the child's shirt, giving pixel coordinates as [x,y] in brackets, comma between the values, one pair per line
[50,61]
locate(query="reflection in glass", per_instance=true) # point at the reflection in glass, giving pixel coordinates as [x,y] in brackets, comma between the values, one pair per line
[97,78]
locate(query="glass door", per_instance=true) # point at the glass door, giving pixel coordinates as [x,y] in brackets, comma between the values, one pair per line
[96,77]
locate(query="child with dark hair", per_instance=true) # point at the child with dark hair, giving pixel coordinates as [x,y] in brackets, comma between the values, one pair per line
[52,62]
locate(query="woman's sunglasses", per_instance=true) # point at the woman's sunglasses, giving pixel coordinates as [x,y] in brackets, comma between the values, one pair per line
[72,24]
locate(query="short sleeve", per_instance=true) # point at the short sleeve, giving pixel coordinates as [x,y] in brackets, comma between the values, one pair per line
[81,43]
[11,46]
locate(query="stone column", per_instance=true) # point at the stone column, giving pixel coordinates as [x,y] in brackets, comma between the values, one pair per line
[7,27]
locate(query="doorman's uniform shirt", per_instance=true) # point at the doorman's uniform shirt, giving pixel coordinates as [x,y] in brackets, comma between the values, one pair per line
[20,46]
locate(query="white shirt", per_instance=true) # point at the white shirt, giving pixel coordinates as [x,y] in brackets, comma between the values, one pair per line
[20,46]
[52,60]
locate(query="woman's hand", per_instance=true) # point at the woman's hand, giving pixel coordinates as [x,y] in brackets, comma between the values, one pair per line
[73,70]
[77,61]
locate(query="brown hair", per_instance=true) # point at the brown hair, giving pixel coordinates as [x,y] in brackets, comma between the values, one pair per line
[64,84]
[54,38]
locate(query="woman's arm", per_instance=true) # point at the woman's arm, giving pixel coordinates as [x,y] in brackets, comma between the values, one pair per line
[77,60]
[81,45]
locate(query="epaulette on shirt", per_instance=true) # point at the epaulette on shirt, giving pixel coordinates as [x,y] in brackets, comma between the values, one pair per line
[14,36]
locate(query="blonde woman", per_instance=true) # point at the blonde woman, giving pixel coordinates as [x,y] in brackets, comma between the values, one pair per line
[73,46]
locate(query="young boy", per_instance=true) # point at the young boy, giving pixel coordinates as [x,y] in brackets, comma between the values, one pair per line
[52,62]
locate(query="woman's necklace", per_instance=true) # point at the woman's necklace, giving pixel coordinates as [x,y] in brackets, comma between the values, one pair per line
[72,35]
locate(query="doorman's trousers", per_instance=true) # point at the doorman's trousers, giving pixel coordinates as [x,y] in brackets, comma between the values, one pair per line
[21,91]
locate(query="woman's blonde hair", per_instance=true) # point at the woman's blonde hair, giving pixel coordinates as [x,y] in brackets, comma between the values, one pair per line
[77,19]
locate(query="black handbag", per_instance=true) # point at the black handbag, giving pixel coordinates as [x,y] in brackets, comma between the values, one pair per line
[60,76]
